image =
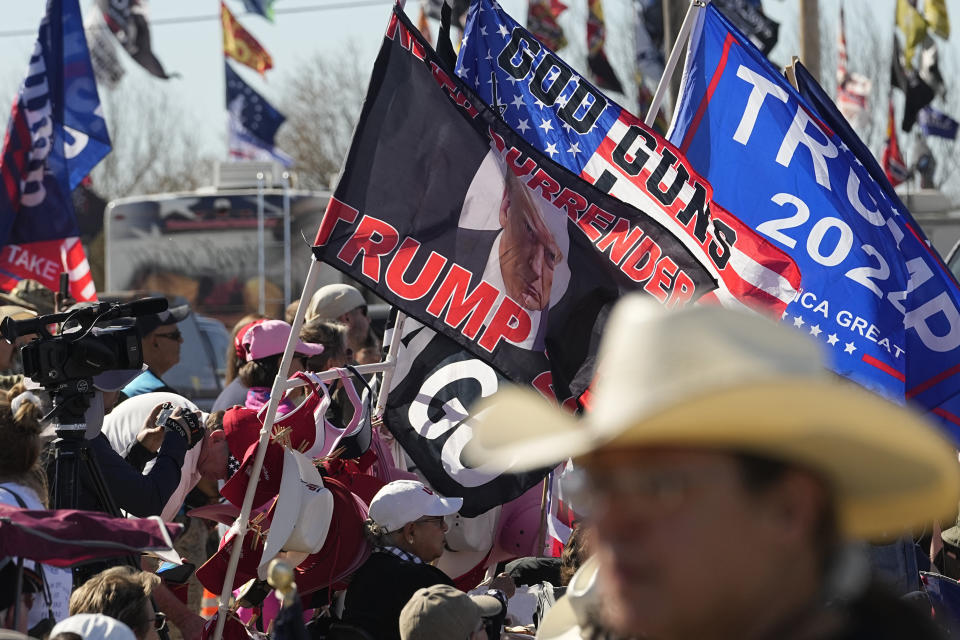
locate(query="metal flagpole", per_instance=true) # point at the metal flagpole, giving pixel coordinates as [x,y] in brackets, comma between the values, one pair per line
[395,335]
[287,284]
[261,249]
[682,37]
[276,392]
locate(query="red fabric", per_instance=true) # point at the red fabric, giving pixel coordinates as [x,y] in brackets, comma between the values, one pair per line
[44,261]
[238,348]
[351,473]
[81,536]
[212,573]
[270,474]
[345,548]
[241,428]
[473,577]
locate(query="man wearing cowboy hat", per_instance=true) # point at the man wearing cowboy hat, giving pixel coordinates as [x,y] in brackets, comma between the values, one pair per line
[722,469]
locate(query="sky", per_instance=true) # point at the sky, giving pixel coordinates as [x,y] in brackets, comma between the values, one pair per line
[194,49]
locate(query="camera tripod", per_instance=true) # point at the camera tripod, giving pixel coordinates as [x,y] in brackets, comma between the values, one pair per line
[72,458]
[76,481]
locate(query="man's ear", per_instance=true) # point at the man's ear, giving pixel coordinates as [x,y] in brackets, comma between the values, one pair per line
[505,206]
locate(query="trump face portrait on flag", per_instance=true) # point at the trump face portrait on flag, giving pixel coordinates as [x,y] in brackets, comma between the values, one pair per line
[518,241]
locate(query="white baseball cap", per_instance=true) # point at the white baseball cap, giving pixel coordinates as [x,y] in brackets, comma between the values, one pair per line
[93,626]
[403,501]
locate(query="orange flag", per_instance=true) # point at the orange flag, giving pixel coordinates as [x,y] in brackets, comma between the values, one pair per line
[241,46]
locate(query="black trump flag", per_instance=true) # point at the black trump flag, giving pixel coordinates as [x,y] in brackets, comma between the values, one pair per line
[493,250]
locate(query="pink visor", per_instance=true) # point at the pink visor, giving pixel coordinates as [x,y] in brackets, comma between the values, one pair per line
[269,338]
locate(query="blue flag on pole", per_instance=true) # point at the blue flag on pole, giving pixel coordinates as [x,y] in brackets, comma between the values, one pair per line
[56,133]
[873,292]
[936,123]
[253,122]
[260,7]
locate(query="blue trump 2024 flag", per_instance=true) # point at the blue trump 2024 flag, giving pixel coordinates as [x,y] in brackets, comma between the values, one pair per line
[56,133]
[873,292]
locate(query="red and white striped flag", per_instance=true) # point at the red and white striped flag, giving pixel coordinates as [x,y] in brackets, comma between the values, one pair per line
[44,261]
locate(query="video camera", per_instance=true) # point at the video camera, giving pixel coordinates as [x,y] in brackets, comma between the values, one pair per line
[93,338]
[81,349]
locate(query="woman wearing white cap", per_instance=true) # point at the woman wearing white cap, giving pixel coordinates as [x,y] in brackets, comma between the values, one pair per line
[407,528]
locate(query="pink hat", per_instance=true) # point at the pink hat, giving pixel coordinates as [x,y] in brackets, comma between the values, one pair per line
[269,338]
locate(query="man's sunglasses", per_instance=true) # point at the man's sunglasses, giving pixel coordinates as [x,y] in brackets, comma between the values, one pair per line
[160,621]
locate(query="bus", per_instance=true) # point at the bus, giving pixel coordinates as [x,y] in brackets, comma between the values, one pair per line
[239,247]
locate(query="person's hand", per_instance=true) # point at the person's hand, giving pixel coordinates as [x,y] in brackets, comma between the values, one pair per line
[151,438]
[150,435]
[188,424]
[504,583]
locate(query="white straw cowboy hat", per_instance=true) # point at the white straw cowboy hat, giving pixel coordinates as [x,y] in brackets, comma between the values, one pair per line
[707,377]
[304,510]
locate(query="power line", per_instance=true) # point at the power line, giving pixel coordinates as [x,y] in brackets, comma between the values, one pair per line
[352,4]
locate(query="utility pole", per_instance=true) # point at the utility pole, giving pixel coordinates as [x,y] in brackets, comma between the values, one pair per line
[673,13]
[810,37]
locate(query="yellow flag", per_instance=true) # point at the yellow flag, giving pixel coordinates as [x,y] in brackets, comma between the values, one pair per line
[914,29]
[935,12]
[241,46]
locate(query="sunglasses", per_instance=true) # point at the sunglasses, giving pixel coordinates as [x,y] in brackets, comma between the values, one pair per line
[159,621]
[173,335]
[437,520]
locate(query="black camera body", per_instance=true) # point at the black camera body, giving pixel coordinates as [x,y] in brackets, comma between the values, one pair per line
[94,337]
[58,359]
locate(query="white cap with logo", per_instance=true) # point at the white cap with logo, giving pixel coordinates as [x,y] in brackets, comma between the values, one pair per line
[403,501]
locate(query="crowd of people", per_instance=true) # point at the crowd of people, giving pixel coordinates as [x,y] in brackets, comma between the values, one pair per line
[725,486]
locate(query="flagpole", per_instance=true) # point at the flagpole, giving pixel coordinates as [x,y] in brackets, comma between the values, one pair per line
[790,71]
[395,334]
[671,66]
[276,392]
[287,280]
[261,248]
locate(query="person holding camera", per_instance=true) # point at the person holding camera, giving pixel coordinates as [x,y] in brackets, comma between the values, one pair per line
[149,424]
[132,428]
[144,494]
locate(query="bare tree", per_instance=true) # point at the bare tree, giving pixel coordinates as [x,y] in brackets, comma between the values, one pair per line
[155,146]
[322,103]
